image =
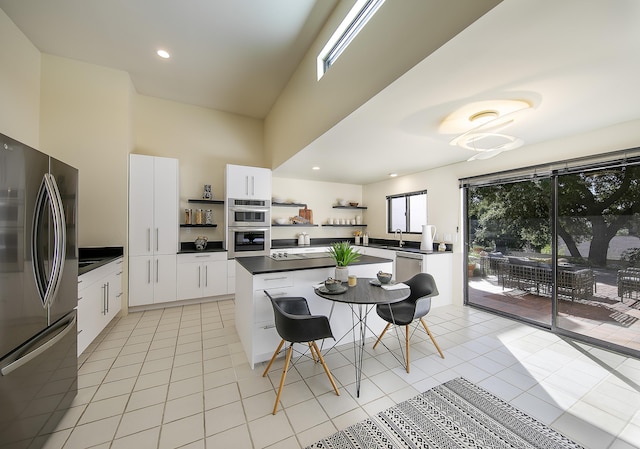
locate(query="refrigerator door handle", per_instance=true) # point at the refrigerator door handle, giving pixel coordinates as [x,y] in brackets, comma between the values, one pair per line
[27,353]
[48,288]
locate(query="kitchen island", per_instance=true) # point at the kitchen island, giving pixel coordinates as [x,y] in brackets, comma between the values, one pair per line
[253,311]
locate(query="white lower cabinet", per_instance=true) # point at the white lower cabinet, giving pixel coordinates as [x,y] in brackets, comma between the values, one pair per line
[231,276]
[202,275]
[99,301]
[440,266]
[152,279]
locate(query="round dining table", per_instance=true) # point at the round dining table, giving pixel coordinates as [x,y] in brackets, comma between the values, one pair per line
[362,298]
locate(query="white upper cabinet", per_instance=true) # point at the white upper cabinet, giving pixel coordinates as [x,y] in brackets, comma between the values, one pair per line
[153,205]
[248,182]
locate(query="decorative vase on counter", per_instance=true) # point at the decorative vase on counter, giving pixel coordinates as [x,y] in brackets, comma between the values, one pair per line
[342,274]
[201,243]
[428,234]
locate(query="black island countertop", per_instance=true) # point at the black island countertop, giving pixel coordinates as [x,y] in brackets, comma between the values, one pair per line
[264,264]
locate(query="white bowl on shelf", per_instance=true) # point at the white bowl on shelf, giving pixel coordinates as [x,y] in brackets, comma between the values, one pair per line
[281,221]
[277,199]
[342,202]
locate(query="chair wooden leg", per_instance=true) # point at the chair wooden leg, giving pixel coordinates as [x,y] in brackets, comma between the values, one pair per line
[326,368]
[406,342]
[313,354]
[275,354]
[284,375]
[431,336]
[381,335]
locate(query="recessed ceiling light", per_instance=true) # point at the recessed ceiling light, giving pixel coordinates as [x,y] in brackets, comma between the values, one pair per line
[315,168]
[163,54]
[393,175]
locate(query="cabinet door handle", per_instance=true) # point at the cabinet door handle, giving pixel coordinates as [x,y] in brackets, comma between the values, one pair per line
[253,185]
[149,271]
[199,276]
[107,298]
[269,326]
[275,279]
[246,185]
[148,239]
[157,239]
[206,276]
[157,267]
[103,306]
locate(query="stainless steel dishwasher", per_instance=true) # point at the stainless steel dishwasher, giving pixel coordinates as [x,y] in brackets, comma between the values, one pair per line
[407,265]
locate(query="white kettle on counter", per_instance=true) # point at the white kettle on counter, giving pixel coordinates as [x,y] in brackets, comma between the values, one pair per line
[428,234]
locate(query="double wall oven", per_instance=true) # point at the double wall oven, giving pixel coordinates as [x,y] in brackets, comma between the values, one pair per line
[249,227]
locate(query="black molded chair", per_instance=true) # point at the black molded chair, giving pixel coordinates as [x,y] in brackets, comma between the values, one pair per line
[415,307]
[295,324]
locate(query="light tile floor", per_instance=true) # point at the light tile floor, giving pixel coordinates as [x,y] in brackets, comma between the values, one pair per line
[178,377]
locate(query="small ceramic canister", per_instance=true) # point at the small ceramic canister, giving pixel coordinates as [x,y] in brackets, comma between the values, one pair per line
[353,280]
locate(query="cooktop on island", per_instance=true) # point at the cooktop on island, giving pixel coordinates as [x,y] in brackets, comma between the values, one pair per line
[287,256]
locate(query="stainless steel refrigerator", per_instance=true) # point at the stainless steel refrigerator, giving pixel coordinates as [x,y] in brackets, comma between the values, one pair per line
[38,293]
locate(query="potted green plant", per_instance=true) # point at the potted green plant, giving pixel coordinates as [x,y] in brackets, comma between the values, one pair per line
[343,254]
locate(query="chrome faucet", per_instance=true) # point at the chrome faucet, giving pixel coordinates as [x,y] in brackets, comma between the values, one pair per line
[395,234]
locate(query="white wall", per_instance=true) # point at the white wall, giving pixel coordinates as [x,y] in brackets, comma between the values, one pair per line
[320,197]
[86,122]
[19,85]
[204,141]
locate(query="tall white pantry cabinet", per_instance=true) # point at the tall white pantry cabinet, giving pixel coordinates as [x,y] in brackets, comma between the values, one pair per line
[153,229]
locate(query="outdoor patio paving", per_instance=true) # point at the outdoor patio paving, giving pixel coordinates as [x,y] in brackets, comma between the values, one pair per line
[601,315]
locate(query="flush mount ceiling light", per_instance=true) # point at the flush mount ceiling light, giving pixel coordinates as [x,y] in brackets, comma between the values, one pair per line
[315,168]
[480,113]
[163,54]
[483,117]
[393,175]
[484,127]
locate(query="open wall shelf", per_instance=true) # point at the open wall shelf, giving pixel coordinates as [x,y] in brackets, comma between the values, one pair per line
[206,201]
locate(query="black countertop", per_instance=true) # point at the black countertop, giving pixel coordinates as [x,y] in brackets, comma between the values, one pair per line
[263,264]
[90,258]
[393,245]
[190,247]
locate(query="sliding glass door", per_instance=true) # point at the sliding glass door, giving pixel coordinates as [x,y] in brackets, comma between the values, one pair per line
[509,248]
[598,228]
[560,249]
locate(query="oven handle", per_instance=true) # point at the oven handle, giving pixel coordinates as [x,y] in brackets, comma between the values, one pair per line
[248,228]
[248,209]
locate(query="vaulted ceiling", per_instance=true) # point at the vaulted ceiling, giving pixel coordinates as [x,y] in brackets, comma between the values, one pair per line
[575,62]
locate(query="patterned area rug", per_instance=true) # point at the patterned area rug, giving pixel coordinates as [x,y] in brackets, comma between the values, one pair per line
[456,414]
